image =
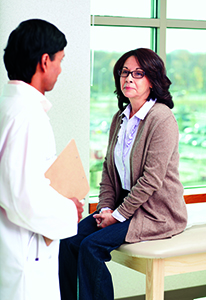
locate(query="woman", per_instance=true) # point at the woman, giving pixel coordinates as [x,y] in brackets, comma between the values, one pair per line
[141,197]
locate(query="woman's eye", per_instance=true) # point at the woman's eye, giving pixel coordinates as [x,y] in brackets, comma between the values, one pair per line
[124,72]
[137,74]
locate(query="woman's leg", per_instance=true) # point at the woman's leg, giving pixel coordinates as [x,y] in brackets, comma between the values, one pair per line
[68,256]
[94,279]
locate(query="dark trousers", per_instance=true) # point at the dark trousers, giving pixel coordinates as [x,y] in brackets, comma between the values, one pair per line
[82,270]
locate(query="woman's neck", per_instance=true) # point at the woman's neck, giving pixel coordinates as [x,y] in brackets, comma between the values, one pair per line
[134,109]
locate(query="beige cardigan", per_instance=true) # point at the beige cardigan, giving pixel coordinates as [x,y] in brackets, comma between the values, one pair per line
[155,201]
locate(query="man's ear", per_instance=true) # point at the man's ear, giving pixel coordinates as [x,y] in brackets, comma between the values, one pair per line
[44,61]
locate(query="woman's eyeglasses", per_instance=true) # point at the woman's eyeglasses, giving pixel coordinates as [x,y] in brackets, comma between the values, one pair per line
[137,74]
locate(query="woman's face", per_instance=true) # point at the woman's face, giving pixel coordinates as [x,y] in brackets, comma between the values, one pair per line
[137,90]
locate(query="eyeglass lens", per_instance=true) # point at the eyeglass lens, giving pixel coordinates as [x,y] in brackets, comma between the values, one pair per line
[135,74]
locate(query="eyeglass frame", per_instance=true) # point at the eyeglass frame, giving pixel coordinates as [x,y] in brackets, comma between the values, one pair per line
[131,72]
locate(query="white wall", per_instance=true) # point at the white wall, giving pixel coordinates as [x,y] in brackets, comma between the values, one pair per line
[71,100]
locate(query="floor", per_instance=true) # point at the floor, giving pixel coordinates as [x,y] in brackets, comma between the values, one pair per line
[195,293]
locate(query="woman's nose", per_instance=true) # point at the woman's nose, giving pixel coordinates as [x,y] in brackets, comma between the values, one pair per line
[129,78]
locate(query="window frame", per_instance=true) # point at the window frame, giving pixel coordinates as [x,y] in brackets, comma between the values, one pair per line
[158,22]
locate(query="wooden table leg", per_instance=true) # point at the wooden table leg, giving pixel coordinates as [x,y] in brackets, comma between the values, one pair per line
[155,279]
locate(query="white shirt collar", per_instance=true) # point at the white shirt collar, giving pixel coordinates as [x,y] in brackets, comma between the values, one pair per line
[142,112]
[46,104]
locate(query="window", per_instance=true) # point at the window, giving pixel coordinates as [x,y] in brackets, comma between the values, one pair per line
[184,9]
[179,42]
[119,8]
[103,103]
[186,68]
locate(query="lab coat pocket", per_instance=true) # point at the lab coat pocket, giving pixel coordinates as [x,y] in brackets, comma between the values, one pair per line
[41,271]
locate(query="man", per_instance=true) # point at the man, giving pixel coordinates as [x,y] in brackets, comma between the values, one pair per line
[33,216]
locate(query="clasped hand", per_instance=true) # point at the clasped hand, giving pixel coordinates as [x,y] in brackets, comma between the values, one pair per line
[105,218]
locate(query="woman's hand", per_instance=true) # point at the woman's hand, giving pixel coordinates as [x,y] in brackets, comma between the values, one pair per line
[105,218]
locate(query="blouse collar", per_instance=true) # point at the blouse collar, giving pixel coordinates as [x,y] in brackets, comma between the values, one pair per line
[142,112]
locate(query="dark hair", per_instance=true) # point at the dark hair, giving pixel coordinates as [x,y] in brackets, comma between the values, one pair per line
[26,45]
[154,69]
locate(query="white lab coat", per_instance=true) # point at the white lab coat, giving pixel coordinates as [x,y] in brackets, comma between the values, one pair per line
[29,207]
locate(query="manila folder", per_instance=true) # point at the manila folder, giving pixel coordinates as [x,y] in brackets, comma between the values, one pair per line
[67,174]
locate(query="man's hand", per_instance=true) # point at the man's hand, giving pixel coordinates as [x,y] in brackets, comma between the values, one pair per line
[47,240]
[105,218]
[79,207]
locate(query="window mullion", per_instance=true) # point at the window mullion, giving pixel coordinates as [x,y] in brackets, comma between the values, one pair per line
[124,21]
[161,31]
[187,24]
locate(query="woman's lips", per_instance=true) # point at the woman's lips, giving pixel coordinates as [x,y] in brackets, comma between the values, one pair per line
[126,87]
